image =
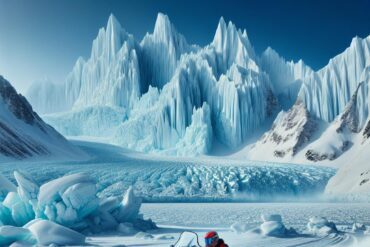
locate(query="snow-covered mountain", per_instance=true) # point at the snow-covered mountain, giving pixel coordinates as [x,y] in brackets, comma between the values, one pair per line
[22,132]
[337,98]
[163,95]
[290,132]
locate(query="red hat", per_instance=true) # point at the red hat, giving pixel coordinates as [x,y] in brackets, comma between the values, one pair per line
[211,234]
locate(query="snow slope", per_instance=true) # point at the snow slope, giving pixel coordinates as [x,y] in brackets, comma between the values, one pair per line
[22,132]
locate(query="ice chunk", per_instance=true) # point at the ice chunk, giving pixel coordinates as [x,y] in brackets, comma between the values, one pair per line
[47,232]
[358,227]
[5,215]
[5,187]
[11,199]
[321,226]
[21,212]
[69,199]
[130,207]
[273,226]
[10,234]
[27,188]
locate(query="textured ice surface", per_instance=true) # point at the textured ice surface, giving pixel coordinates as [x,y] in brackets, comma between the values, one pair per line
[183,179]
[327,91]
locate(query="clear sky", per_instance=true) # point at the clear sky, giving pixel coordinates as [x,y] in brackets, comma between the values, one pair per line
[43,38]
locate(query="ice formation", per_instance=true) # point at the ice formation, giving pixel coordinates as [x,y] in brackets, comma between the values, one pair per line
[142,95]
[321,226]
[327,92]
[57,211]
[225,75]
[272,226]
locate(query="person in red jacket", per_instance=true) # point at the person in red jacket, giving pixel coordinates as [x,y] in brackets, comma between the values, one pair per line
[212,240]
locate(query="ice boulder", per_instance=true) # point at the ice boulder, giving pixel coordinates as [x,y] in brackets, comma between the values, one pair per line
[113,211]
[21,212]
[11,234]
[5,187]
[358,227]
[27,187]
[5,216]
[273,226]
[47,233]
[68,200]
[130,207]
[321,226]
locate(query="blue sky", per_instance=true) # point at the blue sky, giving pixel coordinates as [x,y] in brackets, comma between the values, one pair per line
[43,38]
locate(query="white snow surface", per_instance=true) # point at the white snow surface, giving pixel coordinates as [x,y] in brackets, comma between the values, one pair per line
[176,218]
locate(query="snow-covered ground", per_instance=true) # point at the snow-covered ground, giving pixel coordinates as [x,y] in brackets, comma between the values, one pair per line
[208,179]
[174,218]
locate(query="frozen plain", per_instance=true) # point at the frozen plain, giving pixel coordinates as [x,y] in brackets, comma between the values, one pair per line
[173,180]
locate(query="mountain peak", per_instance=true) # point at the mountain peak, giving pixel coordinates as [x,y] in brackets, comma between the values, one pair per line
[113,25]
[163,28]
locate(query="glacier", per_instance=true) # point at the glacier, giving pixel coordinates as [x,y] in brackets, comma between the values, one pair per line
[185,76]
[143,95]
